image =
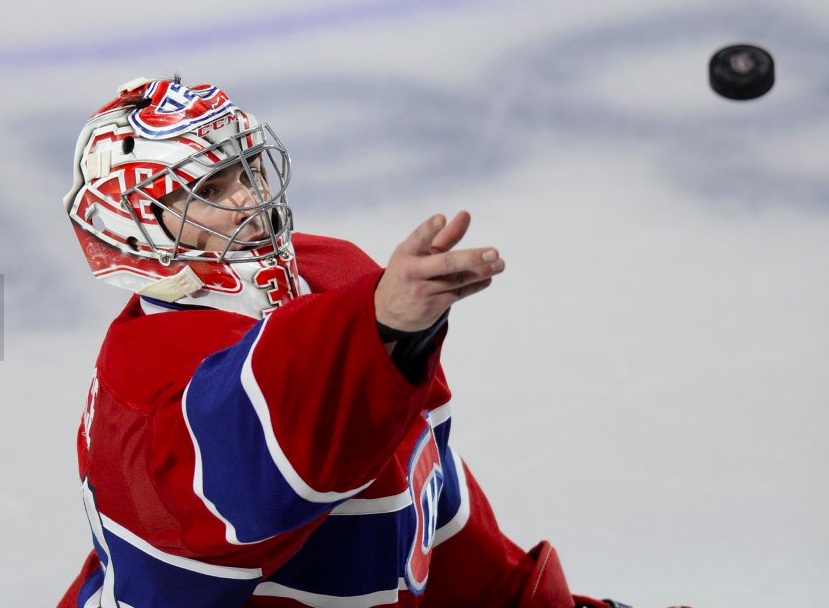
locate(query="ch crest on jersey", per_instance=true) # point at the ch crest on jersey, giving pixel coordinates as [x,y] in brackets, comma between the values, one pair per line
[177,109]
[426,484]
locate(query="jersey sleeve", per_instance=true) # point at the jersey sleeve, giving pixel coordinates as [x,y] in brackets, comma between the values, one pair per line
[299,415]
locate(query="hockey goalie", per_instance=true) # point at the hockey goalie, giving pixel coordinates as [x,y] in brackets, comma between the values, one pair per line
[268,423]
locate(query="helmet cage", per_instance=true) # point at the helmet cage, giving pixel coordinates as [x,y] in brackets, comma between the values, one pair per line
[270,208]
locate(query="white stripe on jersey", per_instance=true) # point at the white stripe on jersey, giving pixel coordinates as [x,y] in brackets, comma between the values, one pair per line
[174,560]
[260,406]
[94,602]
[318,600]
[441,414]
[95,599]
[372,506]
[456,524]
[149,308]
[107,592]
[304,287]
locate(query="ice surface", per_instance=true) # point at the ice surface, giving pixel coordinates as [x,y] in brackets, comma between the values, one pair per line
[645,386]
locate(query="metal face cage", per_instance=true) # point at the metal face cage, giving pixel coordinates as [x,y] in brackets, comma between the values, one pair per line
[269,210]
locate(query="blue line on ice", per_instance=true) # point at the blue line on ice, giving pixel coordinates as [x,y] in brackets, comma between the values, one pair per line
[269,27]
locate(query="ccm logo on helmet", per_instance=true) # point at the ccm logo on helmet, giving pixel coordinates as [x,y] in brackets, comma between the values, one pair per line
[216,124]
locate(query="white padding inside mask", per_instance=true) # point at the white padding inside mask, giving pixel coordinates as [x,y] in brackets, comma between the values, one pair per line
[174,288]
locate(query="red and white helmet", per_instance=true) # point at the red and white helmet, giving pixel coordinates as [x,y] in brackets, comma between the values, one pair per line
[158,137]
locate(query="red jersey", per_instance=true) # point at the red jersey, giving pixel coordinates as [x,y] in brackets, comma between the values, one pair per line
[285,462]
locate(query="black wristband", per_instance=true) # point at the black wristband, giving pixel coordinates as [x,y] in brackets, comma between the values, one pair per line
[413,347]
[389,334]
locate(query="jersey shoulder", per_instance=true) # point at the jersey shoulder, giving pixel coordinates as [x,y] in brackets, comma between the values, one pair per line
[144,355]
[328,263]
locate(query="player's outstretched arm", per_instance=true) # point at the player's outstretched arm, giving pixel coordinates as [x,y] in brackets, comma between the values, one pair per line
[426,274]
[310,375]
[300,414]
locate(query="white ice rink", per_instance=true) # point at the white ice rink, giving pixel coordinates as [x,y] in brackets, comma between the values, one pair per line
[646,386]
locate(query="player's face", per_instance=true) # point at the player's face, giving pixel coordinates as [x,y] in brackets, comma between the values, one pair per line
[230,187]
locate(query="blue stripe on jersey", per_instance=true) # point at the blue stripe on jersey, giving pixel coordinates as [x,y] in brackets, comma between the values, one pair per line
[442,436]
[142,580]
[162,303]
[90,586]
[240,477]
[351,555]
[450,497]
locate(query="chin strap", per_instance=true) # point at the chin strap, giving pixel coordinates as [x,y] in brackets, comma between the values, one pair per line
[176,287]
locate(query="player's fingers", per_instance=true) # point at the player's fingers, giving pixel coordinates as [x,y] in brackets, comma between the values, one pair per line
[452,233]
[471,289]
[451,262]
[419,242]
[451,283]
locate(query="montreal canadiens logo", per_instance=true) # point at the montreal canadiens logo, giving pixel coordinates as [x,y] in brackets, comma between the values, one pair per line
[177,109]
[426,484]
[95,250]
[98,253]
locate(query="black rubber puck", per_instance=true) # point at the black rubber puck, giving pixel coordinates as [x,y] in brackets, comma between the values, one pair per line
[741,72]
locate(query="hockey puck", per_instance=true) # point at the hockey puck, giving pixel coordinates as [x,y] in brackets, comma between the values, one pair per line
[741,72]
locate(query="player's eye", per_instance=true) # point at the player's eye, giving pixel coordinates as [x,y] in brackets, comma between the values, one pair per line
[256,173]
[258,179]
[206,191]
[259,176]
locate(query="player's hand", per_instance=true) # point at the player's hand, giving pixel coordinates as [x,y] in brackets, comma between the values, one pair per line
[426,275]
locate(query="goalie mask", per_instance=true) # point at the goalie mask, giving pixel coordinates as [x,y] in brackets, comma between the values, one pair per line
[179,195]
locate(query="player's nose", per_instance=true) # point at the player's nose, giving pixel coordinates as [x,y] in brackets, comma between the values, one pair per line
[244,201]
